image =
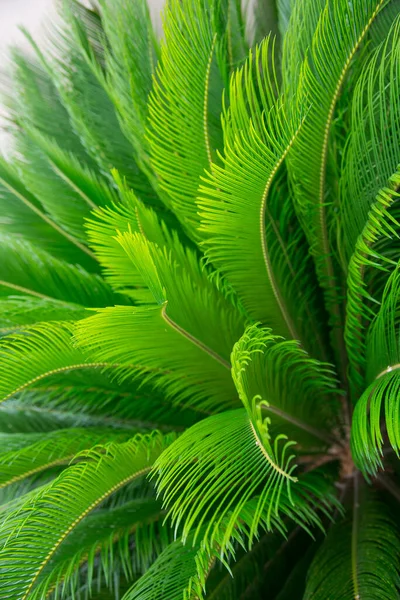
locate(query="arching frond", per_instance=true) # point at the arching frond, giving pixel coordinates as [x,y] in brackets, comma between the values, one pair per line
[372,152]
[91,111]
[153,346]
[179,572]
[42,350]
[29,270]
[245,195]
[184,121]
[113,541]
[362,299]
[56,510]
[221,472]
[358,557]
[383,377]
[51,236]
[182,569]
[130,60]
[46,451]
[333,47]
[18,311]
[369,191]
[92,398]
[279,377]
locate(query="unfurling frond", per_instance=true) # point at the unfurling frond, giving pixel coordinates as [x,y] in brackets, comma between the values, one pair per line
[278,377]
[221,472]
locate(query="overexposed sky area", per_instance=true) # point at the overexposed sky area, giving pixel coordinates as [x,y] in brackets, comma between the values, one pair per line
[29,13]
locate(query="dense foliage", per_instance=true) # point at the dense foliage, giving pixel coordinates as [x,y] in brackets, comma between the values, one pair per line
[199,304]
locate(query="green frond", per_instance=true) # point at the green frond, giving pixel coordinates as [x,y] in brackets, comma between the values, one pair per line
[57,509]
[91,111]
[297,40]
[39,352]
[45,451]
[369,259]
[193,300]
[122,540]
[118,268]
[359,556]
[18,311]
[184,128]
[220,473]
[88,183]
[90,398]
[382,377]
[27,269]
[33,102]
[20,203]
[325,68]
[153,347]
[372,156]
[246,195]
[279,377]
[266,568]
[130,60]
[182,569]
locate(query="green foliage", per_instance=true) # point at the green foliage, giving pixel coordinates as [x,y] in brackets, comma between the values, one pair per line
[199,304]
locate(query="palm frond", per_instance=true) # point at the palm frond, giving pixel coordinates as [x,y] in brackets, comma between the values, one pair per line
[358,557]
[333,47]
[31,271]
[45,451]
[122,540]
[382,375]
[191,375]
[127,68]
[281,379]
[50,234]
[92,398]
[371,156]
[91,111]
[240,198]
[206,481]
[56,510]
[184,121]
[18,311]
[39,352]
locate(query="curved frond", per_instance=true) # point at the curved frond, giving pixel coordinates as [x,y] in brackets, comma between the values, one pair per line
[281,379]
[246,195]
[110,542]
[372,153]
[90,109]
[332,49]
[27,269]
[57,509]
[18,311]
[152,346]
[222,471]
[46,451]
[40,351]
[383,376]
[362,300]
[184,121]
[359,556]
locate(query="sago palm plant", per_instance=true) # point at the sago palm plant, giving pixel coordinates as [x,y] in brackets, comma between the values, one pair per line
[200,300]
